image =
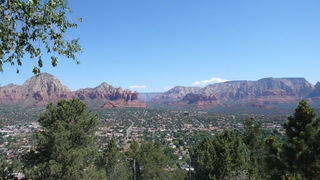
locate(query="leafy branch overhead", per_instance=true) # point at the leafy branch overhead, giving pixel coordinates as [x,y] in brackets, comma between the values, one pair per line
[33,26]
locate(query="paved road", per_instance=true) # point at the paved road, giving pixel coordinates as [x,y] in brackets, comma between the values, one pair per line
[129,129]
[201,124]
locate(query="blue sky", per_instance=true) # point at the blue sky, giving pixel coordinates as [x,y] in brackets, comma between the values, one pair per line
[150,46]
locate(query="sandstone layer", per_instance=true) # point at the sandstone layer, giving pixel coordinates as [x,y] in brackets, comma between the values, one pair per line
[39,90]
[263,91]
[178,92]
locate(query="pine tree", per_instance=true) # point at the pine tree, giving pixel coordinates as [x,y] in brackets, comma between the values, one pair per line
[253,139]
[134,153]
[6,170]
[152,163]
[114,162]
[66,144]
[223,158]
[301,151]
[204,156]
[275,167]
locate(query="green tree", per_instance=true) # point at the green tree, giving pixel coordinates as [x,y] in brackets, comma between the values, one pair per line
[275,167]
[26,25]
[301,150]
[134,150]
[204,157]
[253,139]
[66,144]
[134,153]
[224,158]
[114,162]
[6,170]
[152,163]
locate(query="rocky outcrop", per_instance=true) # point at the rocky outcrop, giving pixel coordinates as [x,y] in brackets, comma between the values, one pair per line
[317,89]
[194,101]
[315,95]
[178,92]
[39,90]
[110,104]
[263,91]
[199,101]
[120,103]
[268,88]
[200,98]
[106,92]
[148,96]
[103,91]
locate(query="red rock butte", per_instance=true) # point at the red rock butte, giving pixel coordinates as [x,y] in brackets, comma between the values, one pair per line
[39,90]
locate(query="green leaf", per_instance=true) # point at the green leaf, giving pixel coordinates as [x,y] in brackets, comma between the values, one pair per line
[36,70]
[40,21]
[54,61]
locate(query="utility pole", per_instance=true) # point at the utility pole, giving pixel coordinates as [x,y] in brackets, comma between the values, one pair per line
[134,169]
[190,168]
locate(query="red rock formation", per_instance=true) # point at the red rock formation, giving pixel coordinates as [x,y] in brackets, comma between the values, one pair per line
[44,87]
[120,103]
[39,90]
[40,103]
[273,92]
[110,104]
[200,98]
[135,103]
[315,95]
[267,90]
[135,96]
[195,101]
[178,92]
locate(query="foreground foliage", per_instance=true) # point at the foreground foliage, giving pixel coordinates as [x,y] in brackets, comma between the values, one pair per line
[220,158]
[66,144]
[27,24]
[297,158]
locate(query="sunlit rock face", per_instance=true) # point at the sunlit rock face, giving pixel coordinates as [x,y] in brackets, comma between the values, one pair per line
[315,95]
[39,90]
[267,90]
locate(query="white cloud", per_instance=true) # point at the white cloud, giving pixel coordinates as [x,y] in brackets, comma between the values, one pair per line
[137,87]
[210,81]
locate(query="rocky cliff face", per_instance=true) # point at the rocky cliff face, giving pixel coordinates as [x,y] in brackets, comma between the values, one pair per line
[201,101]
[119,103]
[315,95]
[106,91]
[148,96]
[199,98]
[194,101]
[267,90]
[178,92]
[297,88]
[103,91]
[317,89]
[39,90]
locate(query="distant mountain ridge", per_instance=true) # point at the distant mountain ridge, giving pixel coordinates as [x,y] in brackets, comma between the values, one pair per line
[297,88]
[263,91]
[148,96]
[39,90]
[178,92]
